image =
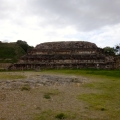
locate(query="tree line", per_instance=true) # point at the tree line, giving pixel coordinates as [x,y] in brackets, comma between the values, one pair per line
[112,50]
[24,45]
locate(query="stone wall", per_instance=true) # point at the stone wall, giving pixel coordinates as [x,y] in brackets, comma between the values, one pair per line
[117,62]
[4,66]
[78,54]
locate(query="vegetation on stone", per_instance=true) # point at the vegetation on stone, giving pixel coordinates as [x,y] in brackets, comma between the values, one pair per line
[11,52]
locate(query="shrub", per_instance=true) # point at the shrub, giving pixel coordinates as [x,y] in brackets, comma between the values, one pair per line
[60,116]
[103,109]
[47,96]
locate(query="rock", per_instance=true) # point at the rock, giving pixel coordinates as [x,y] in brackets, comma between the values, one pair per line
[43,80]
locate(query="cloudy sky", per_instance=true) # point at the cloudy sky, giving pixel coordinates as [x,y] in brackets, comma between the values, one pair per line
[38,21]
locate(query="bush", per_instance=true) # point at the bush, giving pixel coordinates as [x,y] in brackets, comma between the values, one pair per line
[60,116]
[47,96]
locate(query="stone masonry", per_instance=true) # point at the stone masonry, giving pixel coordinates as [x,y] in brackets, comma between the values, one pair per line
[69,54]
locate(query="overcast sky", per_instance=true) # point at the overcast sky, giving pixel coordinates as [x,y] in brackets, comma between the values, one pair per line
[38,21]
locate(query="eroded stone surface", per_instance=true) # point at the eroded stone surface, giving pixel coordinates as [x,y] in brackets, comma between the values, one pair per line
[71,54]
[42,80]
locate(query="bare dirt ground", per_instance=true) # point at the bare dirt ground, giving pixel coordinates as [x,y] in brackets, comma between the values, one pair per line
[40,96]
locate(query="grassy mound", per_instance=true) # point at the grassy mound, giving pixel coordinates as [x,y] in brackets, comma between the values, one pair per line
[10,52]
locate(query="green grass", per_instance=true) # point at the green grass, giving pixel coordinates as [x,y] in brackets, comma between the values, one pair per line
[61,116]
[88,72]
[10,52]
[96,101]
[5,76]
[47,96]
[44,115]
[107,99]
[55,115]
[104,90]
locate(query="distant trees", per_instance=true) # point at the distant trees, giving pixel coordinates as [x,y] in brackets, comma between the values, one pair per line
[109,51]
[112,50]
[24,45]
[117,47]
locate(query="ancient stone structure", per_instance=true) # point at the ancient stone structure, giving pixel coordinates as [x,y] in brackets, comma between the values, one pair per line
[72,54]
[117,62]
[4,66]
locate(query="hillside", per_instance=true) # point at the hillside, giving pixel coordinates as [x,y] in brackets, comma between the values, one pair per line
[10,52]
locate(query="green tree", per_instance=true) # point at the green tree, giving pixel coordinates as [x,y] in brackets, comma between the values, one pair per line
[117,48]
[109,50]
[24,45]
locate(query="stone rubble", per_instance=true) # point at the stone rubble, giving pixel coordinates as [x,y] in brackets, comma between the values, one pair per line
[42,80]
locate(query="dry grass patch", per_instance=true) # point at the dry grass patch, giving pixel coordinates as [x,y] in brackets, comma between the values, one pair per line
[50,93]
[25,87]
[55,115]
[97,99]
[11,76]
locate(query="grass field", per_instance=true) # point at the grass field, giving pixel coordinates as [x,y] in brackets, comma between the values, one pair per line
[97,99]
[88,72]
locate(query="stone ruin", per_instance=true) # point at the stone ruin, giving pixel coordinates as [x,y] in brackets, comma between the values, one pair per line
[68,54]
[41,80]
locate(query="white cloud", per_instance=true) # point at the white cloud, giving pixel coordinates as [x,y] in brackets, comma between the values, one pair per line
[37,21]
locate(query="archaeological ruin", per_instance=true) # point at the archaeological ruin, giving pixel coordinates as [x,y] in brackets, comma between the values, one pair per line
[68,54]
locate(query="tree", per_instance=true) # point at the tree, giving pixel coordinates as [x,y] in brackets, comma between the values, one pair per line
[24,45]
[117,47]
[109,50]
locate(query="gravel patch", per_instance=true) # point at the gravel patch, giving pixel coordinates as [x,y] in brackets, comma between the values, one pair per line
[42,80]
